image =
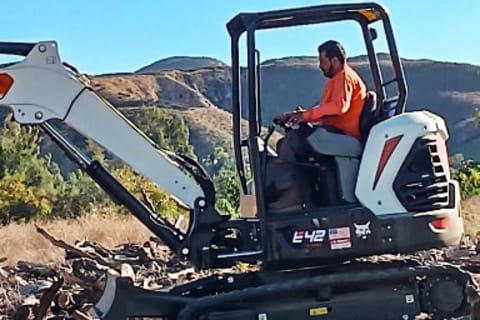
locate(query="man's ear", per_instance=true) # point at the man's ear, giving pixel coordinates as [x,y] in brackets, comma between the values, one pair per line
[335,61]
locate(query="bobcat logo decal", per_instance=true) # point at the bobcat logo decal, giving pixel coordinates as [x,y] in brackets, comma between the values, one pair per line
[362,231]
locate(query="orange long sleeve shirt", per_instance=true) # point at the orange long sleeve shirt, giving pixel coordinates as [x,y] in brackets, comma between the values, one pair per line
[341,103]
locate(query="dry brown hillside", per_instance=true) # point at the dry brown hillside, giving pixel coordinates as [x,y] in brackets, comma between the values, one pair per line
[169,89]
[185,92]
[209,127]
[180,63]
[449,89]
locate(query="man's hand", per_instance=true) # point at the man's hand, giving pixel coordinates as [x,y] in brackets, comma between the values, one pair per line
[295,118]
[289,118]
[281,118]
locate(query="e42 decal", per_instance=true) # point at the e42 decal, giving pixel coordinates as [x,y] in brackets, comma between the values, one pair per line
[309,236]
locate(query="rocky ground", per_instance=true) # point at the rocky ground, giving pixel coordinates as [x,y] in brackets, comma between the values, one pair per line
[68,290]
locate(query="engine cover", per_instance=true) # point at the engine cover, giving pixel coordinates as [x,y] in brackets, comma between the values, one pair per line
[388,146]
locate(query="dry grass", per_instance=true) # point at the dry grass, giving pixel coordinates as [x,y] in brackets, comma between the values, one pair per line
[471,216]
[22,242]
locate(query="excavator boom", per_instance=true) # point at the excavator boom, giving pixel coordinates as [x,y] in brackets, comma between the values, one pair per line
[42,88]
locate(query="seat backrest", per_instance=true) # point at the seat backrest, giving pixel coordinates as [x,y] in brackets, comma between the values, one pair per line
[367,117]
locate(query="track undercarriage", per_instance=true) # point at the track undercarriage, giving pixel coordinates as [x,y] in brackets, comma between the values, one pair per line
[356,290]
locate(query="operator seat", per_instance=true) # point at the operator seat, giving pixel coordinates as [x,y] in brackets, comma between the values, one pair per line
[345,152]
[347,146]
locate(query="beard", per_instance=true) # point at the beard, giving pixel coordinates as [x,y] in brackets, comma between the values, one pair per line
[329,72]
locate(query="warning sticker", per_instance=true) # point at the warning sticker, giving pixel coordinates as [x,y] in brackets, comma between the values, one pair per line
[321,311]
[340,244]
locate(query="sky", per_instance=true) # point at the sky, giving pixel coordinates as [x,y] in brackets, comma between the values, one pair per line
[105,36]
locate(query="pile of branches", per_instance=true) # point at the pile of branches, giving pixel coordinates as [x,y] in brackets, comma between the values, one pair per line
[467,255]
[66,291]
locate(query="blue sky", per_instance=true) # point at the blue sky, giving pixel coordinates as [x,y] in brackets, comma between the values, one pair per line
[121,36]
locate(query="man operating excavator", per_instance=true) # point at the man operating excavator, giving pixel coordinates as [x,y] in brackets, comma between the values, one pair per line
[339,111]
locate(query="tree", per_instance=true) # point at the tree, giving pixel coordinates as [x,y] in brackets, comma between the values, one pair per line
[19,201]
[467,173]
[159,201]
[228,191]
[221,166]
[168,130]
[217,160]
[29,181]
[77,195]
[32,186]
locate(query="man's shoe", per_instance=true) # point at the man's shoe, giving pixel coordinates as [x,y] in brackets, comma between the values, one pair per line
[282,209]
[289,200]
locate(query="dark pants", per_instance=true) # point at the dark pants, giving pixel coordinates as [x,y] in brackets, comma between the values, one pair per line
[283,172]
[289,150]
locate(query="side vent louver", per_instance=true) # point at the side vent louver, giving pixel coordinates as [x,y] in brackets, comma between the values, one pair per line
[421,183]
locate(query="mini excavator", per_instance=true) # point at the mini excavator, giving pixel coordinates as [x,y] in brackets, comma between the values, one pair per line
[390,193]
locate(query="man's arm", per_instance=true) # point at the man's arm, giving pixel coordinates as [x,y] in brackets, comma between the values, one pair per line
[341,97]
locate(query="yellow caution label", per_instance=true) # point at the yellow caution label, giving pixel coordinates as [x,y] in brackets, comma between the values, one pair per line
[320,311]
[371,15]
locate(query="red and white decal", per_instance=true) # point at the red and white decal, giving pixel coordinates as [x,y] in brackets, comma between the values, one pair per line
[387,151]
[339,238]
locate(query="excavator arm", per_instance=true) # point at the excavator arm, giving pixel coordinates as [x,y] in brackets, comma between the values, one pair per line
[43,88]
[40,89]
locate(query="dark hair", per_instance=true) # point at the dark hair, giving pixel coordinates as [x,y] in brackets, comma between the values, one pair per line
[333,49]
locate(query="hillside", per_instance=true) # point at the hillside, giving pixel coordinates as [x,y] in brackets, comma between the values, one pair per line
[449,89]
[180,63]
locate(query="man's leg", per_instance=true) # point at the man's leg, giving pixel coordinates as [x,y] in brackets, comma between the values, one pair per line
[284,171]
[292,146]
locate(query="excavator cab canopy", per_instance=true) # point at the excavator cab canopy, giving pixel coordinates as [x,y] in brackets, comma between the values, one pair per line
[302,16]
[365,14]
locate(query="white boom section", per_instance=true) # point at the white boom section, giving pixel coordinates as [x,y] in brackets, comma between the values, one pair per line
[44,89]
[374,187]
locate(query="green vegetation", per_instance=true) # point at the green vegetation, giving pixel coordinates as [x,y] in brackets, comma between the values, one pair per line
[168,130]
[222,167]
[32,186]
[467,172]
[29,182]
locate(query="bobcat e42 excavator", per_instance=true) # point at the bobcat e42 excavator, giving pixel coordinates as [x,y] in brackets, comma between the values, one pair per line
[391,193]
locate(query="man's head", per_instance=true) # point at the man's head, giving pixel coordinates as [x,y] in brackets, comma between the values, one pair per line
[331,55]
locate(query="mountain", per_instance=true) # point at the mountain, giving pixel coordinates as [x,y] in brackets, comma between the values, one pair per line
[180,63]
[203,94]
